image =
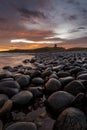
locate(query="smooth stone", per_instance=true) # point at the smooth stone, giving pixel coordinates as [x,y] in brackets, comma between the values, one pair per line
[64,81]
[6,108]
[82,72]
[38,81]
[78,100]
[23,81]
[62,74]
[71,119]
[7,68]
[52,85]
[36,91]
[75,87]
[32,60]
[82,76]
[5,75]
[26,61]
[53,76]
[46,73]
[58,68]
[1,125]
[57,102]
[22,99]
[75,70]
[3,99]
[84,82]
[7,79]
[22,126]
[9,87]
[35,73]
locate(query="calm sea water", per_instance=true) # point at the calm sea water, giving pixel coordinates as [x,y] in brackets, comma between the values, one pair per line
[13,59]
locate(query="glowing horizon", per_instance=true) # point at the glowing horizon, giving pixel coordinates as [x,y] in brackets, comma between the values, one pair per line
[43,22]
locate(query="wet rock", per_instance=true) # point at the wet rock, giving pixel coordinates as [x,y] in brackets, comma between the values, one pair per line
[9,68]
[58,68]
[9,87]
[62,74]
[53,76]
[35,73]
[38,81]
[75,87]
[23,98]
[64,81]
[71,119]
[5,75]
[22,126]
[26,61]
[46,73]
[36,91]
[57,102]
[79,100]
[82,76]
[3,99]
[1,125]
[52,85]
[23,81]
[6,108]
[75,70]
[32,60]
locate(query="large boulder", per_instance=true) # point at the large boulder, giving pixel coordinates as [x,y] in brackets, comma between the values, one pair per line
[52,85]
[57,102]
[74,87]
[71,119]
[22,126]
[22,99]
[9,87]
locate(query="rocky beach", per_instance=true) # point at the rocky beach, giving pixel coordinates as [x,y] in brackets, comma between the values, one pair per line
[44,91]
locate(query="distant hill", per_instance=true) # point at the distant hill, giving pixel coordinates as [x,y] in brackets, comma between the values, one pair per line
[77,49]
[47,49]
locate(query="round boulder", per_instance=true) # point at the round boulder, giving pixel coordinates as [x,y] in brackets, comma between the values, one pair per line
[82,76]
[63,74]
[64,81]
[52,86]
[74,87]
[9,87]
[22,99]
[71,119]
[38,81]
[57,102]
[23,81]
[6,108]
[22,126]
[3,99]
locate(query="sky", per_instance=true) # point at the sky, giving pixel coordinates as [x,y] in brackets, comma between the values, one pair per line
[28,24]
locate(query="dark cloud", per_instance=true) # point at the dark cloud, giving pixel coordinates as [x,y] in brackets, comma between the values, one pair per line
[81,28]
[84,11]
[70,1]
[73,2]
[72,17]
[69,17]
[31,13]
[3,20]
[82,41]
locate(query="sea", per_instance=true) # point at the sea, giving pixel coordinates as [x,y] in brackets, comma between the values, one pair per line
[13,59]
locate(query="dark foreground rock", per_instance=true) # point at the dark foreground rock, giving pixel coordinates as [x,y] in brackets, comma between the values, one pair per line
[47,92]
[57,102]
[22,126]
[71,119]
